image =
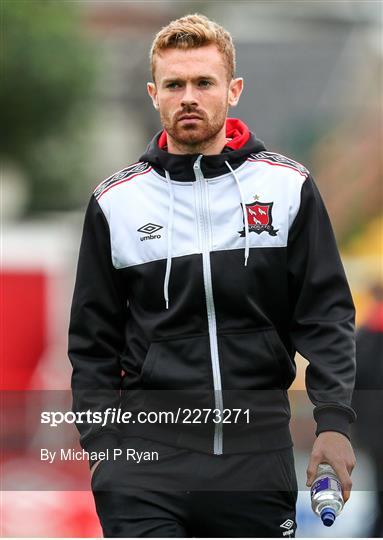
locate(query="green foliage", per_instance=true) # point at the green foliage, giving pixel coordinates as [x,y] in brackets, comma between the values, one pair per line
[48,71]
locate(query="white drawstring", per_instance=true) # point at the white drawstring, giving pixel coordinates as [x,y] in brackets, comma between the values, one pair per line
[170,234]
[244,213]
[170,229]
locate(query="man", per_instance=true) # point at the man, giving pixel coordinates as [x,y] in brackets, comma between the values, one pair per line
[203,267]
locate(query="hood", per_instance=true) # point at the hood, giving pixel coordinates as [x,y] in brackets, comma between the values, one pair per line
[241,142]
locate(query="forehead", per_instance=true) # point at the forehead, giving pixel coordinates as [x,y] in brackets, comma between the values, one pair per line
[190,63]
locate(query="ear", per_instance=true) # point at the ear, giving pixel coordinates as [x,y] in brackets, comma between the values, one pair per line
[235,91]
[152,91]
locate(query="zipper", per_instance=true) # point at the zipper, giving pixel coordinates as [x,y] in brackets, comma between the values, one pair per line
[201,184]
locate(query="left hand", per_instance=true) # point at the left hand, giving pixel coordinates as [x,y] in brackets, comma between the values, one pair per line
[335,449]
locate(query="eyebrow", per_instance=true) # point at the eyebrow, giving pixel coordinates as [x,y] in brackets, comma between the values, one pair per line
[180,79]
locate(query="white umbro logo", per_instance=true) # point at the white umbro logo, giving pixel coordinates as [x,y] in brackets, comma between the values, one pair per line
[150,228]
[288,524]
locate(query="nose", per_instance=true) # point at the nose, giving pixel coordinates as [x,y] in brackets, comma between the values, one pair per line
[189,96]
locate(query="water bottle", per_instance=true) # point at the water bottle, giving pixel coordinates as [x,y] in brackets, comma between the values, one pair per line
[326,494]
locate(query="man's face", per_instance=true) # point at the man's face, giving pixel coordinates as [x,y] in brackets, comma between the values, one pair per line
[193,94]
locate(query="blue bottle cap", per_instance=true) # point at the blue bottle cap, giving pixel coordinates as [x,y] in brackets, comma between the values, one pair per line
[327,516]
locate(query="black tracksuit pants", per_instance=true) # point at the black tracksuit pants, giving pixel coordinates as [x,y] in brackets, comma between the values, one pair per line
[192,494]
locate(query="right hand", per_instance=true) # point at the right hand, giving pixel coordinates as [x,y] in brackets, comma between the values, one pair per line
[94,467]
[335,449]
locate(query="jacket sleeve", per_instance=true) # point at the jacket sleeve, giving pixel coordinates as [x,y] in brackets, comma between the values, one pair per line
[96,331]
[322,313]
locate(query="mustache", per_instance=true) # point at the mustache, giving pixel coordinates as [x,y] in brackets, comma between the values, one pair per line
[187,111]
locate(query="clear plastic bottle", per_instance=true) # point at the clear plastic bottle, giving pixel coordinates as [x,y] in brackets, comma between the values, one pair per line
[326,494]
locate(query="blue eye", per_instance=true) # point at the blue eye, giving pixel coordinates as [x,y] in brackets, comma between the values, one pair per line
[172,85]
[205,83]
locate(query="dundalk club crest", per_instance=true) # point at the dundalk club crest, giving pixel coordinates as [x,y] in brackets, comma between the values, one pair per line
[259,218]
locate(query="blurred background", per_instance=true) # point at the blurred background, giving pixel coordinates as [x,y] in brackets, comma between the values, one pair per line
[75,110]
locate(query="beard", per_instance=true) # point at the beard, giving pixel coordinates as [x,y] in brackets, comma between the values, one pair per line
[193,137]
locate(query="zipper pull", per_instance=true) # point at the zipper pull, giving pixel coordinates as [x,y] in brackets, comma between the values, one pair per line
[197,165]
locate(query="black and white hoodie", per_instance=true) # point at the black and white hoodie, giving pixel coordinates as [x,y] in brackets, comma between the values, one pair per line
[198,279]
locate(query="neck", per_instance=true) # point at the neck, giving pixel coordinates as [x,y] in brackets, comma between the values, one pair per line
[207,148]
